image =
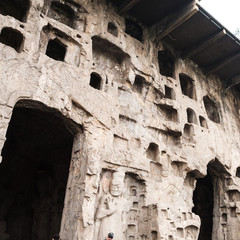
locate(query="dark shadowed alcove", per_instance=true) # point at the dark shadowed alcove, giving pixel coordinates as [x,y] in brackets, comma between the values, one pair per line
[166,62]
[133,29]
[34,171]
[62,13]
[169,93]
[12,38]
[139,83]
[153,152]
[56,49]
[207,199]
[211,109]
[95,81]
[191,116]
[15,8]
[203,206]
[112,28]
[187,86]
[203,122]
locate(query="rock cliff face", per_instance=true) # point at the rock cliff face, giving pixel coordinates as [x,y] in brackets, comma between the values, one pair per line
[140,142]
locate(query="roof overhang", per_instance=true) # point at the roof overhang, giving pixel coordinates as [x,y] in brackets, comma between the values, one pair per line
[206,42]
[191,31]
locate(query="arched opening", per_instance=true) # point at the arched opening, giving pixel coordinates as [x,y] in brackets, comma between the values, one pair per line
[133,29]
[238,172]
[95,81]
[169,113]
[203,205]
[15,8]
[187,86]
[188,131]
[139,83]
[62,13]
[211,109]
[191,116]
[207,198]
[166,62]
[154,235]
[203,122]
[104,50]
[56,49]
[112,29]
[169,93]
[12,38]
[34,171]
[153,152]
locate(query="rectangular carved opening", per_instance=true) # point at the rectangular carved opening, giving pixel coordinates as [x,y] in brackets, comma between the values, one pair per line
[56,50]
[12,38]
[34,171]
[169,113]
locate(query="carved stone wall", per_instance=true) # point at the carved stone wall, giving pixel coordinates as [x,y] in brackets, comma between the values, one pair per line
[149,133]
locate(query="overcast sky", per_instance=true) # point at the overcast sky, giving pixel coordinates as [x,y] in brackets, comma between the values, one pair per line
[227,12]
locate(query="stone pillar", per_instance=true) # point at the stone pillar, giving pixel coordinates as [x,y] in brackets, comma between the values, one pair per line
[5,115]
[72,213]
[78,214]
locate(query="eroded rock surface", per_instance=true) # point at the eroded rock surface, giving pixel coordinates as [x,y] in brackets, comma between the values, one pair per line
[141,143]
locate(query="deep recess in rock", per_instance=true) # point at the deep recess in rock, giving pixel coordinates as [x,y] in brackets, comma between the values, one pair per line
[169,93]
[203,122]
[139,84]
[154,235]
[188,131]
[15,8]
[166,63]
[206,197]
[169,113]
[103,48]
[62,13]
[203,205]
[191,116]
[211,109]
[34,172]
[12,38]
[187,86]
[56,50]
[95,81]
[153,151]
[112,29]
[238,172]
[133,29]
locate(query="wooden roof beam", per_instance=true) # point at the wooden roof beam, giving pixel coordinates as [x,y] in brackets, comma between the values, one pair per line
[221,63]
[168,24]
[203,44]
[127,5]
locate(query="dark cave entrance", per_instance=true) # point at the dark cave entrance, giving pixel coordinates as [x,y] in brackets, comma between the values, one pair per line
[203,205]
[34,171]
[207,198]
[15,8]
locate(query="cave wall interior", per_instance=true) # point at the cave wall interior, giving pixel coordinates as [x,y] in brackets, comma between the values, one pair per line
[103,129]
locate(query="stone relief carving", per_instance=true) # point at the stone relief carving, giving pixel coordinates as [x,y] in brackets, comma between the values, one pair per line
[151,114]
[191,232]
[109,213]
[121,208]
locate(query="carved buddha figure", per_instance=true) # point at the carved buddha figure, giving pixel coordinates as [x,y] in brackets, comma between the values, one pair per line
[110,210]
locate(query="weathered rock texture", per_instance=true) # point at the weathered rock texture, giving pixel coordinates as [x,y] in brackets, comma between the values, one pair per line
[142,144]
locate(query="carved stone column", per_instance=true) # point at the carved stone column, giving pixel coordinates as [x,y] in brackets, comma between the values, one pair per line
[72,213]
[5,115]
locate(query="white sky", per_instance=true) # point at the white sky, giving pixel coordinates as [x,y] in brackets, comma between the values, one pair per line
[227,12]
